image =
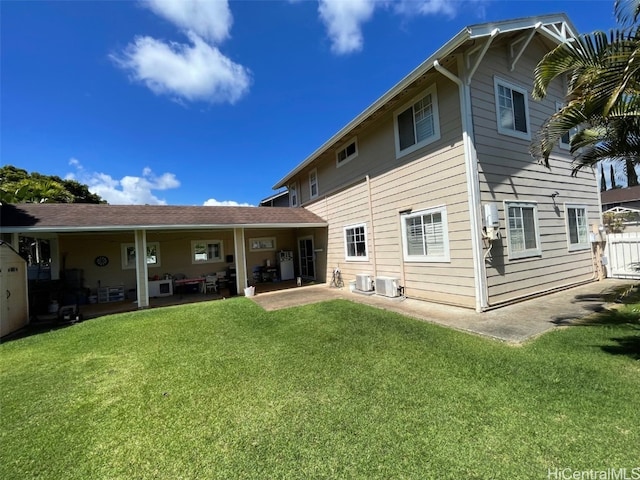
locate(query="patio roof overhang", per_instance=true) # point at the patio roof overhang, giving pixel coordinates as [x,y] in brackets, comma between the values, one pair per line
[71,218]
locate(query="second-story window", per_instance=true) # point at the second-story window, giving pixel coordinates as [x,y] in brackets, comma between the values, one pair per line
[313,183]
[512,109]
[416,123]
[293,195]
[347,152]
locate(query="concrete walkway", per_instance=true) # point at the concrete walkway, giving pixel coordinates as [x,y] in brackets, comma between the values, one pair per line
[513,323]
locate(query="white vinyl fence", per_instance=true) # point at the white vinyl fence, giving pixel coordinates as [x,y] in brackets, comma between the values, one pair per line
[623,255]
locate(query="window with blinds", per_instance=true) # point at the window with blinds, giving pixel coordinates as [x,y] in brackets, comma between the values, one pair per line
[425,236]
[416,123]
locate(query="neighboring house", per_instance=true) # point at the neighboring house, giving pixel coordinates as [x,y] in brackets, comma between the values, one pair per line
[94,246]
[621,197]
[280,199]
[434,185]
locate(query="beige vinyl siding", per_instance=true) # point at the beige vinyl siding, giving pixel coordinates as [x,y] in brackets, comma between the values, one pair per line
[431,176]
[507,172]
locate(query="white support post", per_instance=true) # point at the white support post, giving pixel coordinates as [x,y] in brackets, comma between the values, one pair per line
[142,271]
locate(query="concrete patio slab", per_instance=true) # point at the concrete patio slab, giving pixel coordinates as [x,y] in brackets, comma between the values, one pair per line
[514,323]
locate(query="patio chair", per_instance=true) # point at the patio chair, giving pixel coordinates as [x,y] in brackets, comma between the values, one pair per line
[211,284]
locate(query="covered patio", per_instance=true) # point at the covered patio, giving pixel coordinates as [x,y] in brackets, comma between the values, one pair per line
[93,255]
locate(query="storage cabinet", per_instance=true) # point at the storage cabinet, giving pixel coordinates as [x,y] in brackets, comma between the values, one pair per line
[110,294]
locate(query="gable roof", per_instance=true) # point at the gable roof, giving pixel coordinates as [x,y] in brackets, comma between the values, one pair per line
[59,217]
[556,27]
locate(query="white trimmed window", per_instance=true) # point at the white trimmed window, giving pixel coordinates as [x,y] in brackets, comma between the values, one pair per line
[313,183]
[417,123]
[522,229]
[355,243]
[206,251]
[129,255]
[425,236]
[577,227]
[512,109]
[347,152]
[293,195]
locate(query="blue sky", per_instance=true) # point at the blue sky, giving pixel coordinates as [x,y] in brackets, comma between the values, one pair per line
[207,102]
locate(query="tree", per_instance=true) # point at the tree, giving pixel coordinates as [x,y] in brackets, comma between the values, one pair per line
[603,180]
[602,110]
[19,186]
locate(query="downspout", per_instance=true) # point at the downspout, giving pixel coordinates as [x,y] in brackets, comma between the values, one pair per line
[373,236]
[473,186]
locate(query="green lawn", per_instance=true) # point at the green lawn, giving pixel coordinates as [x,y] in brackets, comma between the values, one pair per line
[334,390]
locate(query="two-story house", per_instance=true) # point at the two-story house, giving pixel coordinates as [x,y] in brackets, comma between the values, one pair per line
[434,184]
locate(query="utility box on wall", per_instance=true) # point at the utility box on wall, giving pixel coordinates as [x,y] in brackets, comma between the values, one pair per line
[14,294]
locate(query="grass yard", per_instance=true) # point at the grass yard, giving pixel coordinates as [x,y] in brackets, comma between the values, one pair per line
[333,390]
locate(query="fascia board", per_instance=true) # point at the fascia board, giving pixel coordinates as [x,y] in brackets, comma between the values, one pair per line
[128,228]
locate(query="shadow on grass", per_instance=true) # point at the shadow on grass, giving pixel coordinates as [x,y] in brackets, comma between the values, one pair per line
[617,307]
[628,346]
[36,328]
[629,317]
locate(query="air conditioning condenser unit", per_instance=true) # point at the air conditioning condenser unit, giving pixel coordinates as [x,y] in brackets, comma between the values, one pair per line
[364,282]
[388,286]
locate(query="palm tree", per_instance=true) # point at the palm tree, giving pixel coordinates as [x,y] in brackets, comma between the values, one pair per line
[603,97]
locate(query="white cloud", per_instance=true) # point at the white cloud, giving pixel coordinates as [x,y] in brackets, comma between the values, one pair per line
[344,20]
[209,19]
[129,190]
[193,71]
[196,72]
[212,202]
[428,7]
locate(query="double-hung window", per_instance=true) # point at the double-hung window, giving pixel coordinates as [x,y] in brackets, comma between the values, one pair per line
[355,243]
[206,251]
[512,109]
[425,236]
[522,229]
[417,123]
[293,194]
[577,228]
[313,183]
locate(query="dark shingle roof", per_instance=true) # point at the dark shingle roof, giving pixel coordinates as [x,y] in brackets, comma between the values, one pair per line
[620,195]
[80,216]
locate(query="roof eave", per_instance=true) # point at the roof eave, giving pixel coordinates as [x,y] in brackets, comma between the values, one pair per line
[128,228]
[471,32]
[386,97]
